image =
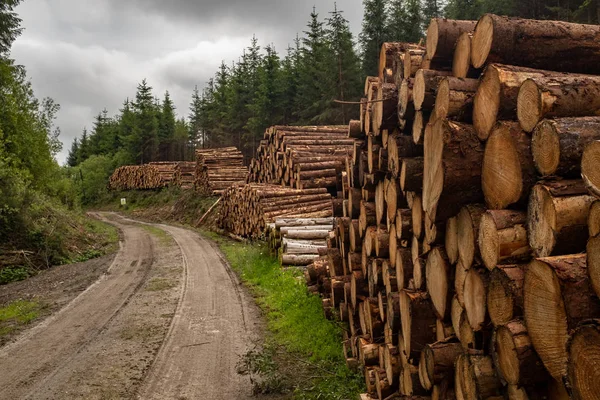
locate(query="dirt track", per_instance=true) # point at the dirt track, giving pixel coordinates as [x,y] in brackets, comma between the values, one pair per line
[167,321]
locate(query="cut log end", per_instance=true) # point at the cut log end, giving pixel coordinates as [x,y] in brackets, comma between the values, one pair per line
[489,242]
[437,272]
[432,38]
[589,167]
[486,103]
[545,147]
[451,239]
[462,56]
[482,41]
[501,177]
[475,293]
[593,263]
[584,358]
[529,105]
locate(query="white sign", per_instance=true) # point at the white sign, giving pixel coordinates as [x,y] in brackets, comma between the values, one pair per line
[123,201]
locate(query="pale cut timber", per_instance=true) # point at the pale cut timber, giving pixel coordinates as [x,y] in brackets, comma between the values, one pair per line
[454,98]
[442,35]
[461,62]
[557,96]
[425,87]
[400,147]
[418,127]
[590,171]
[456,311]
[460,276]
[557,217]
[480,378]
[584,357]
[386,108]
[451,240]
[413,61]
[469,220]
[404,267]
[406,107]
[508,171]
[417,216]
[557,145]
[497,94]
[505,293]
[298,259]
[593,263]
[503,238]
[565,46]
[594,219]
[475,295]
[557,297]
[515,358]
[438,275]
[451,176]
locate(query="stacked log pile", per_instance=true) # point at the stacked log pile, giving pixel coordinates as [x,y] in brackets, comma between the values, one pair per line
[460,265]
[302,157]
[298,241]
[247,210]
[170,172]
[136,177]
[218,169]
[187,174]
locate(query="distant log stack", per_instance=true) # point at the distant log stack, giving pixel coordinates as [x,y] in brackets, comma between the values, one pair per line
[460,263]
[187,174]
[246,210]
[137,177]
[218,169]
[170,172]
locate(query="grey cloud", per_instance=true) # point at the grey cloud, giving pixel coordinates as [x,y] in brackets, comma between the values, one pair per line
[91,54]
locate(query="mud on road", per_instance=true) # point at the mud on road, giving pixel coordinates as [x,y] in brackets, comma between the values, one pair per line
[167,320]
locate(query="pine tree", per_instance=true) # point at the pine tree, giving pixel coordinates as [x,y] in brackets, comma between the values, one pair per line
[312,82]
[463,9]
[181,135]
[289,82]
[196,130]
[373,35]
[9,25]
[146,122]
[414,21]
[72,158]
[346,71]
[396,21]
[84,150]
[431,9]
[166,129]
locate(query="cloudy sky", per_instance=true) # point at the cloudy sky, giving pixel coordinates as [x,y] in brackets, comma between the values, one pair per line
[89,55]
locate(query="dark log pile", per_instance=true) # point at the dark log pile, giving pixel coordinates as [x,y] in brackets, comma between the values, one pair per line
[139,177]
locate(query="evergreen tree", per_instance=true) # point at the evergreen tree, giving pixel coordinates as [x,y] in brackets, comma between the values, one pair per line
[311,100]
[180,149]
[430,9]
[84,147]
[196,129]
[129,132]
[463,9]
[346,71]
[289,79]
[72,158]
[373,35]
[147,123]
[397,21]
[414,21]
[166,130]
[9,25]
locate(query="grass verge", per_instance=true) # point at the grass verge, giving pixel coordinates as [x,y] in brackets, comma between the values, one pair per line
[296,320]
[16,314]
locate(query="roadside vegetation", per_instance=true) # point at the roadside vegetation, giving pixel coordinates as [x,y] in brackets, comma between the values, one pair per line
[16,314]
[303,353]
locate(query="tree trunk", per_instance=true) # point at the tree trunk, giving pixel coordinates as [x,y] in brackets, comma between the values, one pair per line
[565,46]
[557,218]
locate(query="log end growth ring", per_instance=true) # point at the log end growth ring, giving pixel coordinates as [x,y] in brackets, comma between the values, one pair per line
[489,243]
[545,317]
[541,222]
[584,356]
[481,44]
[486,103]
[419,90]
[500,300]
[545,147]
[432,38]
[437,281]
[508,362]
[529,105]
[475,299]
[442,99]
[501,177]
[590,167]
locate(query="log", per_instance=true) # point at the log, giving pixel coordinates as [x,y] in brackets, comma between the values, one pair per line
[404,267]
[418,128]
[413,61]
[565,46]
[497,95]
[425,87]
[404,224]
[589,168]
[478,378]
[475,297]
[558,295]
[515,357]
[593,262]
[436,364]
[386,108]
[355,129]
[451,240]
[508,172]
[399,148]
[557,218]
[469,220]
[442,35]
[557,96]
[406,107]
[438,281]
[410,385]
[298,259]
[411,174]
[451,176]
[557,145]
[583,375]
[418,321]
[503,238]
[594,219]
[461,62]
[454,98]
[505,293]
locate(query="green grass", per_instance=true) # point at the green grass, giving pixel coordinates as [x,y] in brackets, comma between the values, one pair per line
[295,317]
[17,313]
[162,236]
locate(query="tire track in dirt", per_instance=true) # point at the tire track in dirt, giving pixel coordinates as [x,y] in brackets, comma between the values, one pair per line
[45,355]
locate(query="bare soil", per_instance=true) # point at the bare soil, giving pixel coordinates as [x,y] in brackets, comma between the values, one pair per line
[164,318]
